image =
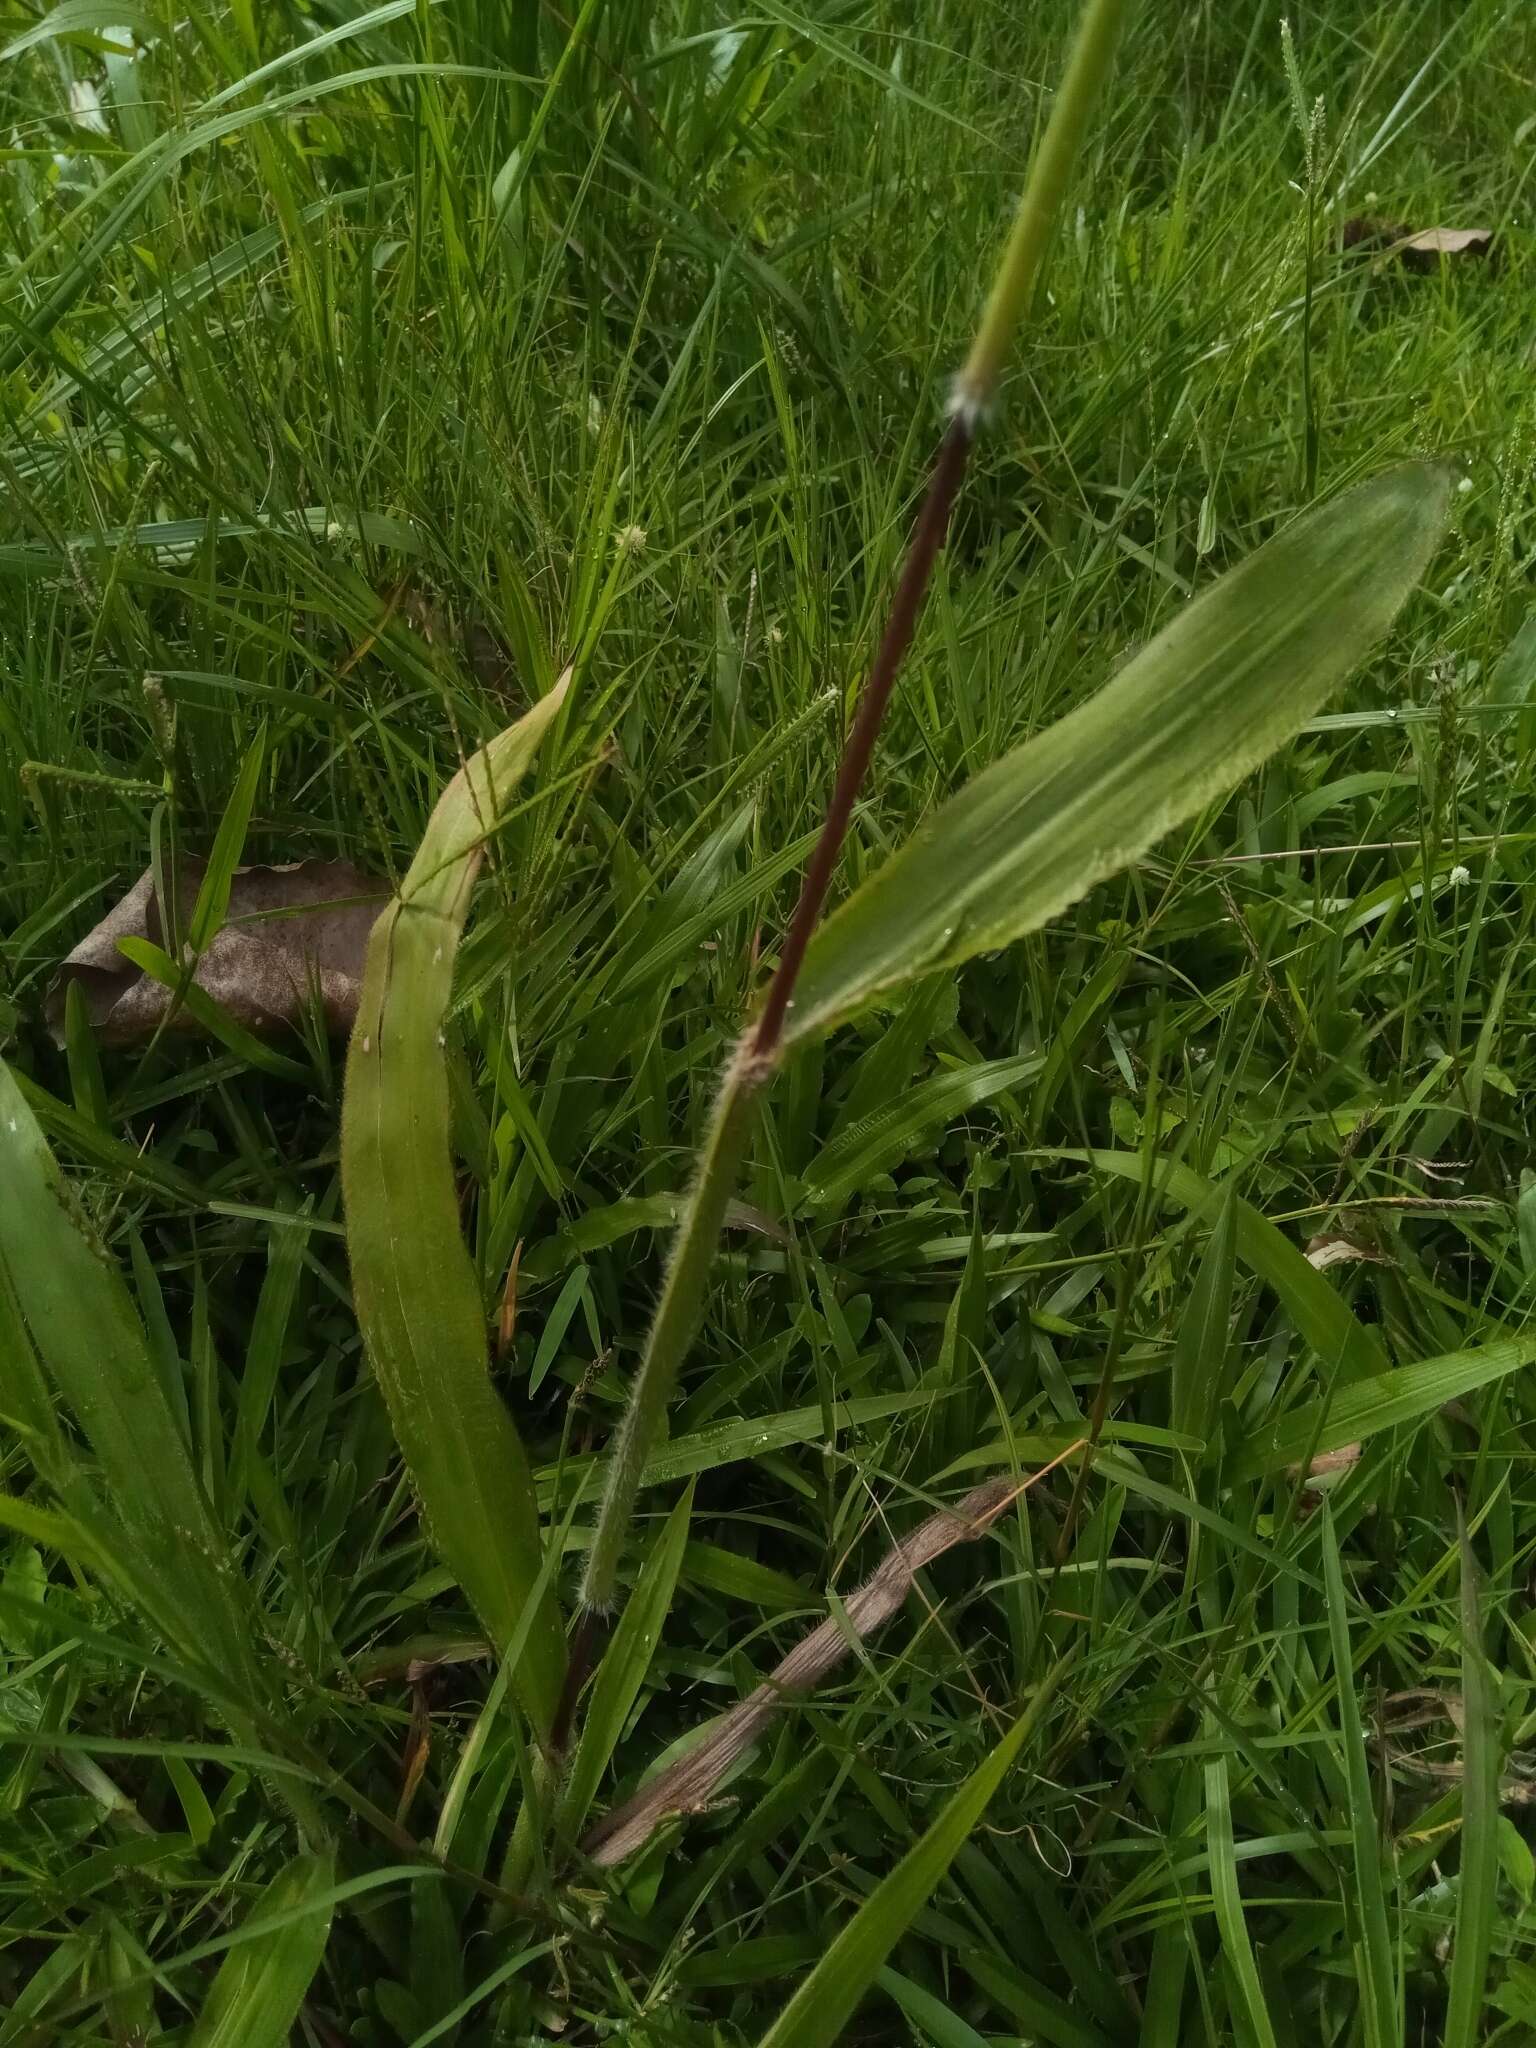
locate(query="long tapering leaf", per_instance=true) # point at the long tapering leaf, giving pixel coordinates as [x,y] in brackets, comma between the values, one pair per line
[77,1313]
[417,1298]
[826,1998]
[1375,1962]
[625,1663]
[261,1983]
[1382,1402]
[1200,1351]
[1231,678]
[1477,1903]
[1227,1898]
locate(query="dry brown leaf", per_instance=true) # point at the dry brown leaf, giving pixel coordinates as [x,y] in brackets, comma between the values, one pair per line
[418,1748]
[1434,243]
[1422,251]
[291,933]
[1331,1466]
[687,1786]
[1330,1249]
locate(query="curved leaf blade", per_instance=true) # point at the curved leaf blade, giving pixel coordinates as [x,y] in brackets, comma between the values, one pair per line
[417,1299]
[1224,684]
[261,1983]
[827,1997]
[1386,1400]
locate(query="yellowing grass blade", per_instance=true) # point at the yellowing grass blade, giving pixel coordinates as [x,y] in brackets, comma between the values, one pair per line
[1231,678]
[418,1302]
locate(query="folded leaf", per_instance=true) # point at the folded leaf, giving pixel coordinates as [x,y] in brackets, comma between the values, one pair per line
[417,1298]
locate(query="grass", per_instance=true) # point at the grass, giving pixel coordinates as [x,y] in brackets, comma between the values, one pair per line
[368,368]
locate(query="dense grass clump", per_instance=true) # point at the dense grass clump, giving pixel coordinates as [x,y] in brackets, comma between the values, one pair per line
[359,371]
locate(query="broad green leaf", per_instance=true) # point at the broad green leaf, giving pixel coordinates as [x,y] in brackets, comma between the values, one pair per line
[1382,1402]
[625,1663]
[261,1983]
[418,1301]
[1477,1900]
[113,22]
[1229,680]
[827,1997]
[1375,1965]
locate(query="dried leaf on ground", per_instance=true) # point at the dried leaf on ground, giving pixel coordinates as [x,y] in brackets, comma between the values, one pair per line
[1421,251]
[1328,1467]
[292,934]
[687,1786]
[1329,1248]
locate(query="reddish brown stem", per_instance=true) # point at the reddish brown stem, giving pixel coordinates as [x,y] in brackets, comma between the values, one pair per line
[588,1632]
[928,537]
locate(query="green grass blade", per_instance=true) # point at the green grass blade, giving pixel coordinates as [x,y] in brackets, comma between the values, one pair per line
[880,1140]
[625,1663]
[825,2001]
[209,1012]
[677,1317]
[1376,1971]
[1227,682]
[212,905]
[261,1984]
[417,1298]
[1202,1341]
[1477,1903]
[1320,1313]
[1383,1401]
[92,1345]
[111,21]
[1227,1898]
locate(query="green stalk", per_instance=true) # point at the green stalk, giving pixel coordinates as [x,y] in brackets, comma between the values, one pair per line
[683,1293]
[671,1332]
[1060,147]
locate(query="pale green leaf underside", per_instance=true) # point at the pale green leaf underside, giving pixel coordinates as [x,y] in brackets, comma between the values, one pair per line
[1229,680]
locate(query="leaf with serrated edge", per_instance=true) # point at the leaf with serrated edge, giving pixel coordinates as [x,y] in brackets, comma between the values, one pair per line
[1224,684]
